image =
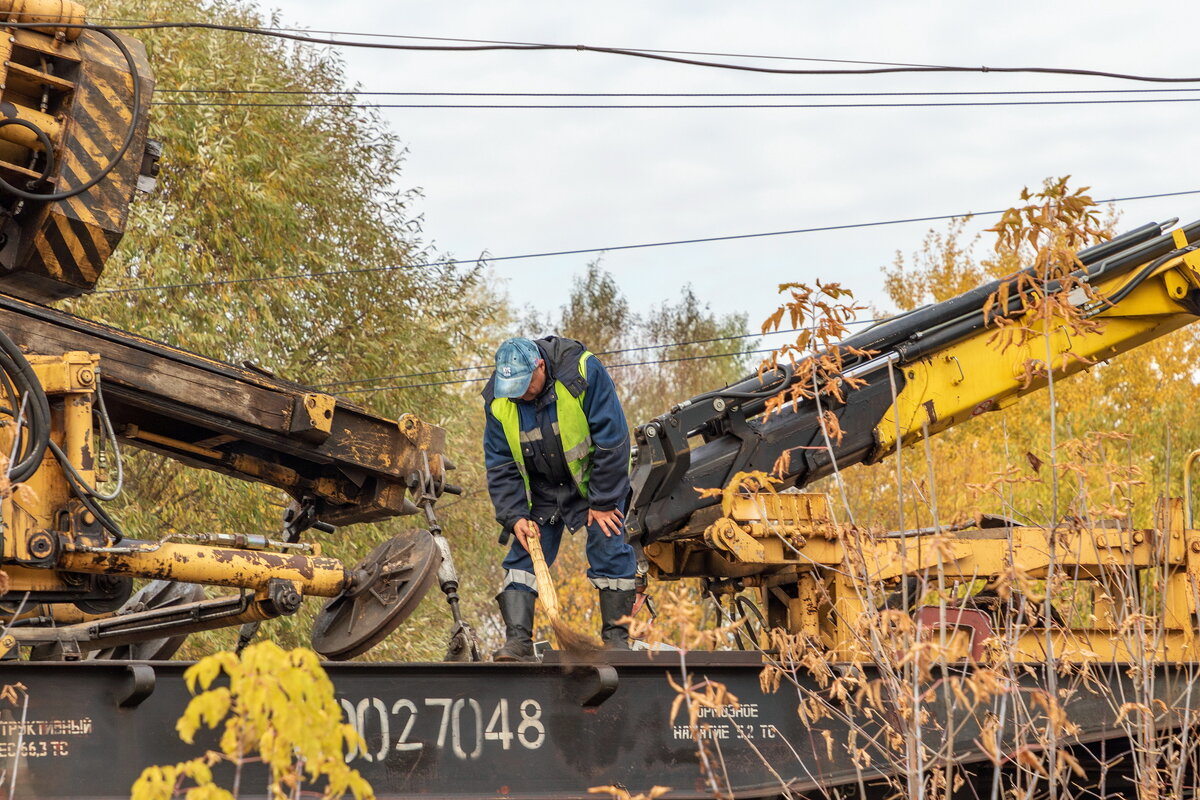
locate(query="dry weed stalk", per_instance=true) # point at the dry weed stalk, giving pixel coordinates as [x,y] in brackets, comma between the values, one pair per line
[816,355]
[678,625]
[900,692]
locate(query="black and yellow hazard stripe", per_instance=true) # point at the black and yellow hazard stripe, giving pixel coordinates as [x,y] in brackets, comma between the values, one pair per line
[77,235]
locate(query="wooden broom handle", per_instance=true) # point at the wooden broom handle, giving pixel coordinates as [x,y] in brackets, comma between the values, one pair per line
[541,571]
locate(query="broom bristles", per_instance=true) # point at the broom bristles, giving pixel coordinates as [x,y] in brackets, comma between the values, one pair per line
[576,647]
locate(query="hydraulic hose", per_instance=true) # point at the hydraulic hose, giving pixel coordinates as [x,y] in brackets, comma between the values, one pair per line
[134,121]
[108,433]
[20,375]
[81,490]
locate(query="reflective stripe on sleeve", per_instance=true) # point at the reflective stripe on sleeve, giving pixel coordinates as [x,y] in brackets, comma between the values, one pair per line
[523,578]
[614,584]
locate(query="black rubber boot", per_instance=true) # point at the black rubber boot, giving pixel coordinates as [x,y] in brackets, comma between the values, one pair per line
[516,607]
[615,604]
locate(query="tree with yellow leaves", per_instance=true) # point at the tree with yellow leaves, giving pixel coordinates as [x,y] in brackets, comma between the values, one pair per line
[996,462]
[278,708]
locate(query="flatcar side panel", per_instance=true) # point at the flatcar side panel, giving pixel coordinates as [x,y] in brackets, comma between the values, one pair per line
[479,730]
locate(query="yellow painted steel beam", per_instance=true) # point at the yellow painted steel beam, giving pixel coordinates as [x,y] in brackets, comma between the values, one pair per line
[978,375]
[960,555]
[221,566]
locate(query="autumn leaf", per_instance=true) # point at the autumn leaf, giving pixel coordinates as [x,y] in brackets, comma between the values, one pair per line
[771,323]
[278,707]
[782,464]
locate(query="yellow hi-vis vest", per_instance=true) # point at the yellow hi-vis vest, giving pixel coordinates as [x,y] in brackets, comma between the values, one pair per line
[572,429]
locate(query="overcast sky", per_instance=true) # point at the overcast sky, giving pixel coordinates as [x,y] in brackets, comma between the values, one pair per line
[509,182]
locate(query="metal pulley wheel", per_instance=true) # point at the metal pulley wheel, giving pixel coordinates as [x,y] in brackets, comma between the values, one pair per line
[154,595]
[384,590]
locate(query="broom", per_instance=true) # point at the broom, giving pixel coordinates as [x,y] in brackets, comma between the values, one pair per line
[576,647]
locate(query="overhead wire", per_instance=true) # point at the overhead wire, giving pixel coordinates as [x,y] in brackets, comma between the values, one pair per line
[589,250]
[640,348]
[663,56]
[325,92]
[377,35]
[681,106]
[607,366]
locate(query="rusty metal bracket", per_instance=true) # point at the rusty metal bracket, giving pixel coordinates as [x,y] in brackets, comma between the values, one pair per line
[139,685]
[726,536]
[606,684]
[312,417]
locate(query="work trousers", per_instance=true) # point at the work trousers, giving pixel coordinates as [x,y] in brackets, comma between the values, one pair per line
[611,562]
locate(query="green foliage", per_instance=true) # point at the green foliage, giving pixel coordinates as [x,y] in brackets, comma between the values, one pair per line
[265,192]
[719,354]
[597,313]
[651,371]
[278,708]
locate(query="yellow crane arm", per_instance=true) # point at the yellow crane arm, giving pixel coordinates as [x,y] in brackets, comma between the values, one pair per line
[918,373]
[981,373]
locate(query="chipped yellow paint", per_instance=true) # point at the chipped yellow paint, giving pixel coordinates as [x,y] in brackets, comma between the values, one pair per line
[768,544]
[219,566]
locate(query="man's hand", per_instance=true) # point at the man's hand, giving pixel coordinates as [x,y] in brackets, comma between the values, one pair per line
[524,528]
[609,521]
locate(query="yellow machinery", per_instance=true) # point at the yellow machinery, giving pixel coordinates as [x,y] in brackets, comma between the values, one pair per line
[73,153]
[63,554]
[73,146]
[812,579]
[925,372]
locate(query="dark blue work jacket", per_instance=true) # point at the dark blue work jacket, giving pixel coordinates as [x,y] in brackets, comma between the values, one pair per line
[551,489]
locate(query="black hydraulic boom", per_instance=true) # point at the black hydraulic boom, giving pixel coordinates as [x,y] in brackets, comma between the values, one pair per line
[703,442]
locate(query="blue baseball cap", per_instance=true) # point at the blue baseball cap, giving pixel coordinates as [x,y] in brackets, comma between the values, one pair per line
[516,359]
